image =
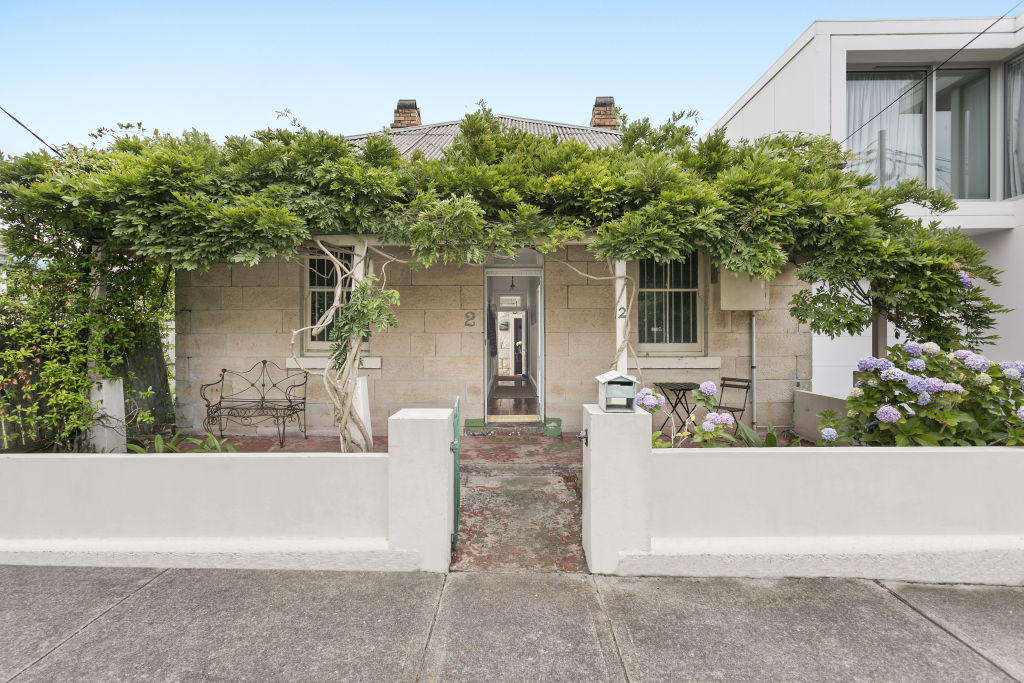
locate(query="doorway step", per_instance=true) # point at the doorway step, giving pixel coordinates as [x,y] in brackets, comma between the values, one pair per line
[502,431]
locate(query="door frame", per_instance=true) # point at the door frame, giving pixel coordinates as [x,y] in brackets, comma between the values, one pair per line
[536,271]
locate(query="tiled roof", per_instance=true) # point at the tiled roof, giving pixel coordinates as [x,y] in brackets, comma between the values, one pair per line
[433,138]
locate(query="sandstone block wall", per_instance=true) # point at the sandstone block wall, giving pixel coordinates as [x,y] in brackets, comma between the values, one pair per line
[234,316]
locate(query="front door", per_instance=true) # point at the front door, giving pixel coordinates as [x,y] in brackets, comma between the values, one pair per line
[513,357]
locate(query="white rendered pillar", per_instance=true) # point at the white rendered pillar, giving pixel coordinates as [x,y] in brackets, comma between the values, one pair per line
[616,458]
[420,480]
[621,306]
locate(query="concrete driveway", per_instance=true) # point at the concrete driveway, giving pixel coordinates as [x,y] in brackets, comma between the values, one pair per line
[112,624]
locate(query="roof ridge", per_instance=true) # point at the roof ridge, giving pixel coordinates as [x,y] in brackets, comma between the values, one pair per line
[414,129]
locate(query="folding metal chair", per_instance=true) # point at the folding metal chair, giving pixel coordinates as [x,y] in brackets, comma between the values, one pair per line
[736,383]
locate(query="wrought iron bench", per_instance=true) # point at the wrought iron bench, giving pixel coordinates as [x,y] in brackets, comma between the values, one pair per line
[262,393]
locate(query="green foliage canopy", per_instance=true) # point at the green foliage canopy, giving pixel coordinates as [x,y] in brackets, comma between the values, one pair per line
[149,204]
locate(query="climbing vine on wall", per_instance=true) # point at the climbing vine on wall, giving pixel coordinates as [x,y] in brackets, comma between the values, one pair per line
[152,203]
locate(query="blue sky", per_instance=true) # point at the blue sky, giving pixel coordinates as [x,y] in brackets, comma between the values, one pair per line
[226,67]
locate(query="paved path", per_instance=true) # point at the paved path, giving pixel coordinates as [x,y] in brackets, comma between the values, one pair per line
[107,624]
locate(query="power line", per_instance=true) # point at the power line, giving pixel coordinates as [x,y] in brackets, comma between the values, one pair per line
[929,73]
[51,147]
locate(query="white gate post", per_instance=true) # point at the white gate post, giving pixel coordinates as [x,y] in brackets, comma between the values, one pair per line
[616,459]
[420,485]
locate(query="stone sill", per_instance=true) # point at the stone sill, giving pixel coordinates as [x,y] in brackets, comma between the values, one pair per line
[320,362]
[677,362]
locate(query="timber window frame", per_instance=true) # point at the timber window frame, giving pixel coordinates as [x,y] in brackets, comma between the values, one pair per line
[670,306]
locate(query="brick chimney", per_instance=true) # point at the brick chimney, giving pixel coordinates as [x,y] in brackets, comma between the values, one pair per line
[604,114]
[407,114]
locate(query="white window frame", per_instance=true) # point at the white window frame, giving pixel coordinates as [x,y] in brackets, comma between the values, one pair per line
[677,349]
[337,245]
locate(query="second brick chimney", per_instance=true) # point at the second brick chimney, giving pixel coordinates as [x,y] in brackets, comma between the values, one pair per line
[604,114]
[407,114]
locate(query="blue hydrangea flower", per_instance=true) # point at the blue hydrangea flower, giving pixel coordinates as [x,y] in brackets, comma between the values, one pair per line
[1020,413]
[954,387]
[708,426]
[829,434]
[924,398]
[931,348]
[912,348]
[965,279]
[977,363]
[961,354]
[867,363]
[916,364]
[916,384]
[726,419]
[892,375]
[884,364]
[859,383]
[935,384]
[888,414]
[707,388]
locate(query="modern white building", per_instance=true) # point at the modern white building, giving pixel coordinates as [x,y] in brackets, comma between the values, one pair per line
[959,127]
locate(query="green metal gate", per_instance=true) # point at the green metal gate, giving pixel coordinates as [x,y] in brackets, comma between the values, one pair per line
[456,447]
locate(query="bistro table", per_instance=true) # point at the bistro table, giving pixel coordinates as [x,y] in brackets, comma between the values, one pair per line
[677,395]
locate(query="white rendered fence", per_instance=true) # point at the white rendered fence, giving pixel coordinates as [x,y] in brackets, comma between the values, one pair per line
[924,514]
[382,511]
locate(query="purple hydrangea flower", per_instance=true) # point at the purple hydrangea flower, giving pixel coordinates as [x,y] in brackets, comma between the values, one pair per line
[912,348]
[888,414]
[1020,413]
[892,375]
[649,401]
[867,363]
[1006,364]
[708,426]
[884,364]
[924,398]
[859,383]
[934,384]
[707,388]
[726,419]
[954,387]
[965,279]
[977,363]
[918,385]
[915,364]
[961,354]
[829,434]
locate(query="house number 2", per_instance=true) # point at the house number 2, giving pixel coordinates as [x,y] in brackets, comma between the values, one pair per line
[622,311]
[470,319]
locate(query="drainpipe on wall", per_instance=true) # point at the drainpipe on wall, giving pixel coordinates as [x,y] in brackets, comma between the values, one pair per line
[753,369]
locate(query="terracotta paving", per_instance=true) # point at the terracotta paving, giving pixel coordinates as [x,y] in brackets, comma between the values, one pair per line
[521,505]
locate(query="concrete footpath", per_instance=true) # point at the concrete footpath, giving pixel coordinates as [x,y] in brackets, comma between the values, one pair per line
[112,624]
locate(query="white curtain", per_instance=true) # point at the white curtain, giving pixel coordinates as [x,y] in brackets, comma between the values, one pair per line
[892,146]
[1015,127]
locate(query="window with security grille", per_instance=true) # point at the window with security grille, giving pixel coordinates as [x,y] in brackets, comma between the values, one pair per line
[669,303]
[320,285]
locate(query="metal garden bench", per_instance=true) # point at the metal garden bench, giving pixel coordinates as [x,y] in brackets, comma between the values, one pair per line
[264,392]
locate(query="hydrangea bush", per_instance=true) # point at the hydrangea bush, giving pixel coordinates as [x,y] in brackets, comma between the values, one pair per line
[921,395]
[708,432]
